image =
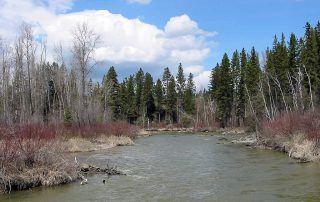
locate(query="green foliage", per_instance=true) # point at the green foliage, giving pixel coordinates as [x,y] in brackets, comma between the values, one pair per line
[111,93]
[241,94]
[189,96]
[139,79]
[180,82]
[252,73]
[171,101]
[222,89]
[148,100]
[67,116]
[310,56]
[158,94]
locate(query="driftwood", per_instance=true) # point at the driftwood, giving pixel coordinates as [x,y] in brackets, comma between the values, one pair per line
[91,169]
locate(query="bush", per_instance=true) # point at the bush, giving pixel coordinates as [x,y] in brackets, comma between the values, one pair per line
[288,124]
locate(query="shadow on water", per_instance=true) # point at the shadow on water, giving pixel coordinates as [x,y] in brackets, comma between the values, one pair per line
[188,168]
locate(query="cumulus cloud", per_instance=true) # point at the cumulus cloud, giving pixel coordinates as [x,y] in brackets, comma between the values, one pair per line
[202,80]
[123,41]
[139,1]
[183,25]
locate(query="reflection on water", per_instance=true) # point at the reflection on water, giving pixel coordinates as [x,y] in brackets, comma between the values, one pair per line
[188,168]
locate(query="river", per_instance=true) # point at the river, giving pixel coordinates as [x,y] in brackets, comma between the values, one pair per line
[187,168]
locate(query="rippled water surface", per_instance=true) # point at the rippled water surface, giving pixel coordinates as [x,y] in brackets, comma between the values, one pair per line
[188,168]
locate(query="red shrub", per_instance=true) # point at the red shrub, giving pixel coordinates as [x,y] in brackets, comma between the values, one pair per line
[108,129]
[288,124]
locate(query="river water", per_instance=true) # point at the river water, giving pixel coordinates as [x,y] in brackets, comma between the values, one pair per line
[188,168]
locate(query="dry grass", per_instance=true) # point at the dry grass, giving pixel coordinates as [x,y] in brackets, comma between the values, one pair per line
[32,154]
[298,134]
[77,144]
[28,163]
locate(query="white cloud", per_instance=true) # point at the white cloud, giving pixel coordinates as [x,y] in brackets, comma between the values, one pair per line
[183,25]
[202,80]
[139,1]
[123,41]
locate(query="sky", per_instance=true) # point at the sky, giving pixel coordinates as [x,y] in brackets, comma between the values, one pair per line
[153,34]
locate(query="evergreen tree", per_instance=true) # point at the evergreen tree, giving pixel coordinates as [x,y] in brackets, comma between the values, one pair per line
[148,100]
[158,96]
[180,82]
[123,99]
[180,89]
[310,56]
[293,53]
[317,29]
[189,96]
[214,79]
[171,101]
[165,81]
[111,93]
[252,73]
[252,80]
[139,80]
[241,94]
[223,90]
[236,76]
[131,110]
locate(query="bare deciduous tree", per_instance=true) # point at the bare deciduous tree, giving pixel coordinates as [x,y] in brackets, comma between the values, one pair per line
[84,43]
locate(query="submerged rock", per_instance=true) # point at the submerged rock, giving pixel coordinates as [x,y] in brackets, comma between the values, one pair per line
[223,139]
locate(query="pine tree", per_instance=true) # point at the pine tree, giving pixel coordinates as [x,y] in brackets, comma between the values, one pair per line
[310,60]
[317,29]
[171,101]
[241,95]
[180,89]
[123,99]
[165,81]
[158,96]
[236,76]
[214,79]
[310,55]
[148,100]
[223,90]
[111,94]
[166,77]
[180,82]
[252,73]
[131,110]
[293,53]
[189,96]
[252,80]
[139,80]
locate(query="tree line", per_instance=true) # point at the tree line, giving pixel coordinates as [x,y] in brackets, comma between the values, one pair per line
[243,89]
[286,77]
[34,90]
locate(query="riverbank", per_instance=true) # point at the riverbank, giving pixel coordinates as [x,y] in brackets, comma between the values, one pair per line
[297,146]
[34,155]
[43,163]
[297,134]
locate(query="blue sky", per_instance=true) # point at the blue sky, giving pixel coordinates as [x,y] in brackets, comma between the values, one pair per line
[240,23]
[153,34]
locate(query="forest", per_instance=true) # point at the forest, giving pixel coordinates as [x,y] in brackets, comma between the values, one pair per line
[245,88]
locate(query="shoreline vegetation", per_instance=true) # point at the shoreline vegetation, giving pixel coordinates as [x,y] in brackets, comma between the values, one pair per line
[296,134]
[33,155]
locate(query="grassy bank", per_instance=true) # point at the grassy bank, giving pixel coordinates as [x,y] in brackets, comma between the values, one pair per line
[297,134]
[32,155]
